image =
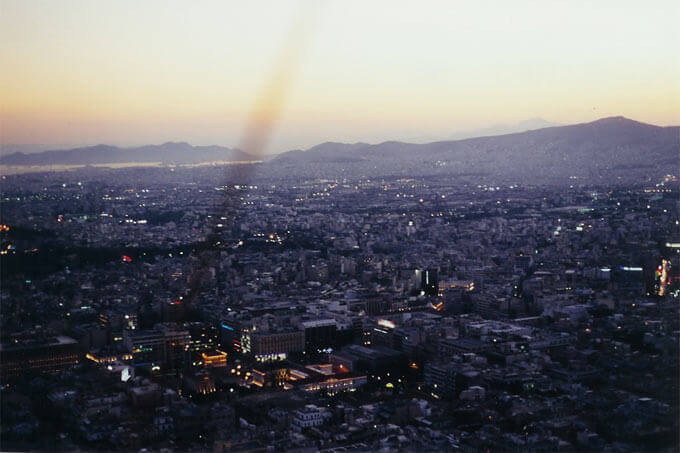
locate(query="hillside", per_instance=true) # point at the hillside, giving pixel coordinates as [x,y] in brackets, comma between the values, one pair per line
[605,147]
[171,152]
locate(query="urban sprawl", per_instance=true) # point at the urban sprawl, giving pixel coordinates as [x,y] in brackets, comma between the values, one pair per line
[179,309]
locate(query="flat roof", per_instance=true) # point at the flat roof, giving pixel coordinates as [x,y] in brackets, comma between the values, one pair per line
[37,343]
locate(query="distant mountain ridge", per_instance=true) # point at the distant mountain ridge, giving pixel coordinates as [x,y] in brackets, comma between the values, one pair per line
[170,152]
[504,129]
[616,148]
[605,146]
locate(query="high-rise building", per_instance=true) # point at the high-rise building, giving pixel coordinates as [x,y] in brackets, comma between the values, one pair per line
[320,335]
[204,336]
[430,282]
[166,346]
[441,379]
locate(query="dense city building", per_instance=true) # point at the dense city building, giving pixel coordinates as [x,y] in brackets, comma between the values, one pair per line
[327,313]
[22,357]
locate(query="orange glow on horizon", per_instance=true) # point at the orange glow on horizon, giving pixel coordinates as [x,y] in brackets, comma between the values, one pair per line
[129,73]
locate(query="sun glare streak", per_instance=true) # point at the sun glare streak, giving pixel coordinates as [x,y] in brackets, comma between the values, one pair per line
[257,134]
[269,105]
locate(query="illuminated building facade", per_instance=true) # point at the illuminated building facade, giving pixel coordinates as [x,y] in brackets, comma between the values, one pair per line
[266,343]
[204,336]
[662,276]
[50,355]
[106,359]
[118,321]
[199,384]
[230,332]
[335,385]
[382,334]
[430,282]
[214,359]
[275,342]
[465,285]
[165,346]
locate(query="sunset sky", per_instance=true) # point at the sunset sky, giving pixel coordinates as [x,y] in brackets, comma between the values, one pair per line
[134,72]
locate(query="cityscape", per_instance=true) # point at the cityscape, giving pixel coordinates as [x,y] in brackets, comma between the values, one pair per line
[336,314]
[338,226]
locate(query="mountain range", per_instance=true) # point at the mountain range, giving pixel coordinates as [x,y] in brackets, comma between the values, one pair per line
[169,153]
[608,146]
[611,147]
[504,129]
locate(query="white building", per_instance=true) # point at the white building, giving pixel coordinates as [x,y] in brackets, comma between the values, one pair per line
[307,417]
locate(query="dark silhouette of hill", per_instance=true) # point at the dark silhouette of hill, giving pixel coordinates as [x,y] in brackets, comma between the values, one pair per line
[605,146]
[171,152]
[615,147]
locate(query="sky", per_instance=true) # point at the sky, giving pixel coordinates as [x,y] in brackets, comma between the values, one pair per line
[131,72]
